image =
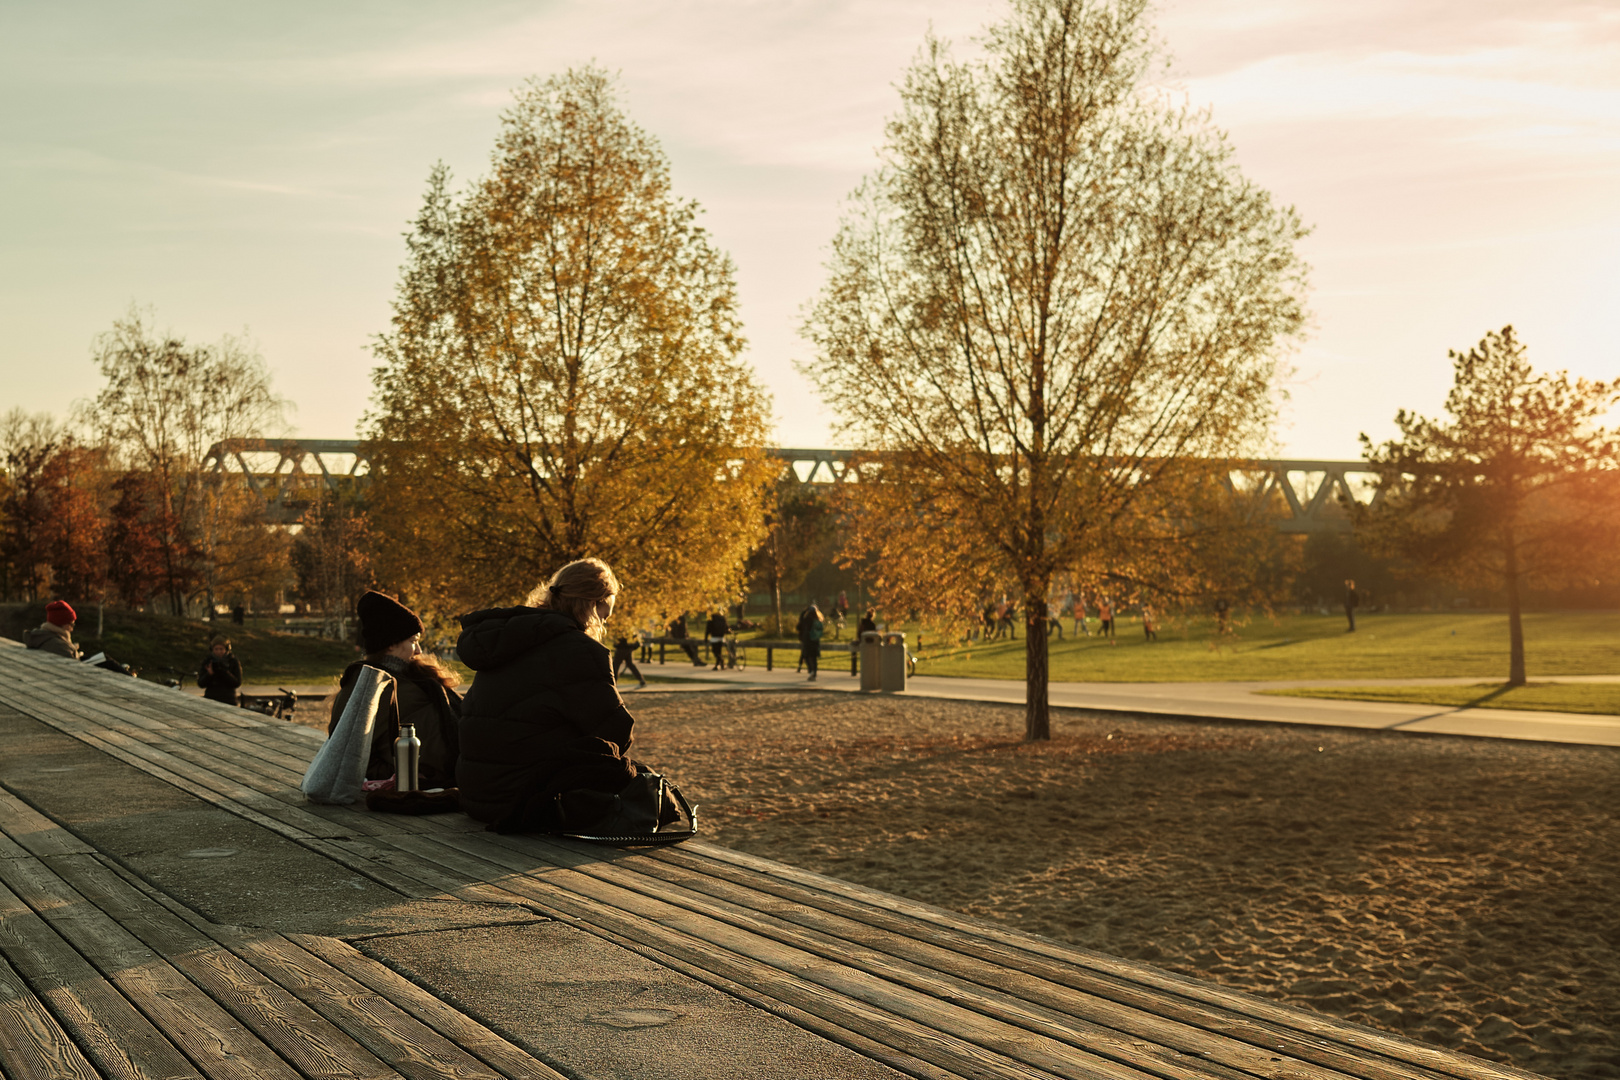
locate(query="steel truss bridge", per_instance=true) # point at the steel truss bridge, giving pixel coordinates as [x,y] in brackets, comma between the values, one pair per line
[290,474]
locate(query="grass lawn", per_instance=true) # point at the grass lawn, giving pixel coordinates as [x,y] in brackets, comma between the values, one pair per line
[1547,696]
[1302,647]
[153,643]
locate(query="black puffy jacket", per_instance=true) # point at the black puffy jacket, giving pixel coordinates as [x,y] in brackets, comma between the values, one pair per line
[543,718]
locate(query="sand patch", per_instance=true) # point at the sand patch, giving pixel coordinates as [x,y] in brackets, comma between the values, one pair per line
[1458,891]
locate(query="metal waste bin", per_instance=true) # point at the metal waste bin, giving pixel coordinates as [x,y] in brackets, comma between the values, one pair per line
[894,663]
[871,651]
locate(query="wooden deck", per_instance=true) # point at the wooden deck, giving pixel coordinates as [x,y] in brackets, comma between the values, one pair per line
[102,974]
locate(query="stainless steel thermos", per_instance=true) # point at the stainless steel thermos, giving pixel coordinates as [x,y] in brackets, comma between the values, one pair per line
[407,760]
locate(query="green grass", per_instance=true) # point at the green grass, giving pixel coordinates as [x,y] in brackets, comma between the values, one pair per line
[152,643]
[1545,696]
[1302,647]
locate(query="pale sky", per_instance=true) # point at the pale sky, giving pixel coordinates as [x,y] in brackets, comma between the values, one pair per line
[253,167]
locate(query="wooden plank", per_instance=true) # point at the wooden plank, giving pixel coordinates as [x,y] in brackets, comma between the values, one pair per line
[502,1056]
[221,1047]
[1361,1040]
[481,1042]
[846,999]
[33,832]
[1083,1021]
[1165,1051]
[33,1045]
[1165,1019]
[121,1042]
[314,1047]
[413,1048]
[258,808]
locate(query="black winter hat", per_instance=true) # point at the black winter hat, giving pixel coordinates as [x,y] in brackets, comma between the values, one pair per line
[385,621]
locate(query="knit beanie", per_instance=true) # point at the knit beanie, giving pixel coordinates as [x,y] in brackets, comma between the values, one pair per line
[385,621]
[60,613]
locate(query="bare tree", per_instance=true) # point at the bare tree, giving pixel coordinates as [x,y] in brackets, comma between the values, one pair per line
[164,404]
[1056,289]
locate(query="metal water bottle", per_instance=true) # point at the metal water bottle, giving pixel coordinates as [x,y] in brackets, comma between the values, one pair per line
[407,759]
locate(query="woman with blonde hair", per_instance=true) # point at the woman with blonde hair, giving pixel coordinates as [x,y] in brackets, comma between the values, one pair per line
[545,737]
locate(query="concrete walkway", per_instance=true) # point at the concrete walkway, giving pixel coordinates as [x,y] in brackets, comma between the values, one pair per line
[1203,700]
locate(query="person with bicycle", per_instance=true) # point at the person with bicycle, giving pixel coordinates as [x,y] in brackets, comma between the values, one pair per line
[220,675]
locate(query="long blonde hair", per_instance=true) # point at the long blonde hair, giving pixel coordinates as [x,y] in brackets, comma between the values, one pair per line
[575,590]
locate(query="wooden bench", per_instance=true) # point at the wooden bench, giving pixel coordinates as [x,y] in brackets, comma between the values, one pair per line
[928,992]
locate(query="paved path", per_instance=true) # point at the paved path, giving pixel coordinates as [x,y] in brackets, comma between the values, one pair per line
[1212,700]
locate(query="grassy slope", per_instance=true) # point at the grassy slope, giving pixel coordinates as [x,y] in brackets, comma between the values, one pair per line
[1306,647]
[154,642]
[1550,697]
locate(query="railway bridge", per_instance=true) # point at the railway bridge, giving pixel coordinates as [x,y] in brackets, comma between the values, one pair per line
[290,474]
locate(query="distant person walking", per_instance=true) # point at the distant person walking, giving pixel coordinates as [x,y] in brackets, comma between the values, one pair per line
[624,657]
[1150,624]
[811,627]
[55,634]
[716,632]
[1080,626]
[1352,600]
[220,675]
[1105,618]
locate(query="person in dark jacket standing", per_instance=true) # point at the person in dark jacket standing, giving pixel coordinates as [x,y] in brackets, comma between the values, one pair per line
[545,736]
[1352,600]
[424,693]
[716,632]
[811,628]
[220,675]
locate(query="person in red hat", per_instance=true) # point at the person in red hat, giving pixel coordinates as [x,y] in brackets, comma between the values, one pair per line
[55,634]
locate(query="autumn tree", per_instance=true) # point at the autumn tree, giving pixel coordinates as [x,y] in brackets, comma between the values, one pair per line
[164,403]
[53,498]
[1519,486]
[1056,290]
[562,377]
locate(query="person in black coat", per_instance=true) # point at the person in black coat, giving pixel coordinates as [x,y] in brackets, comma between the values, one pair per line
[220,675]
[716,632]
[424,693]
[545,737]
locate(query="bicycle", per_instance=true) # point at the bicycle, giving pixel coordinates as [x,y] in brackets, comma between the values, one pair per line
[280,706]
[736,658]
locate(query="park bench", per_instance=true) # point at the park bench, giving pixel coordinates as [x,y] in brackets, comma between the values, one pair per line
[666,644]
[105,975]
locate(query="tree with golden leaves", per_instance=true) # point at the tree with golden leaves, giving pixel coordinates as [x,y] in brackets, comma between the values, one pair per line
[1057,289]
[1520,486]
[563,376]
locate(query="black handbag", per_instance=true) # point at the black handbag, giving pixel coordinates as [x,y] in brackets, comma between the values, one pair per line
[649,810]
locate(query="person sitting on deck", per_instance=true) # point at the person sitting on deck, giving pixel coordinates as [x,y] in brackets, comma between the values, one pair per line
[545,736]
[424,693]
[221,672]
[55,634]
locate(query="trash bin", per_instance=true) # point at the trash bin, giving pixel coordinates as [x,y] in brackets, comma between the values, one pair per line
[894,663]
[871,653]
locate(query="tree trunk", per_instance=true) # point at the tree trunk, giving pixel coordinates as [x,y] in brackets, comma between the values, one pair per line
[1516,676]
[1037,715]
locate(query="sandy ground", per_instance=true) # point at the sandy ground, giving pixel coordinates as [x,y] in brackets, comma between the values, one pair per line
[1465,892]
